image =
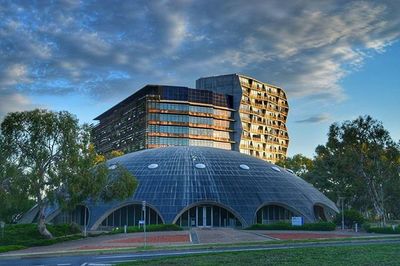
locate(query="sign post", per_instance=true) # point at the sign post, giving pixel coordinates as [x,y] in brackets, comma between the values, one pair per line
[297,221]
[144,221]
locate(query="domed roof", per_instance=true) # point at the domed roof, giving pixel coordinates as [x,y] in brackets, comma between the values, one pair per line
[172,178]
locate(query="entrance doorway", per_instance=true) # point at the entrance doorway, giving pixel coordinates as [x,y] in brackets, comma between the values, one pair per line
[208,216]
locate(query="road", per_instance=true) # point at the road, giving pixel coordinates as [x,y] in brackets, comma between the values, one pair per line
[97,260]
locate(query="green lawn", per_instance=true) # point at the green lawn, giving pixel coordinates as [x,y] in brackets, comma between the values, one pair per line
[354,255]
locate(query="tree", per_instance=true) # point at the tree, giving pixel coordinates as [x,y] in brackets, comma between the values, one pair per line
[116,153]
[13,202]
[299,164]
[56,161]
[361,162]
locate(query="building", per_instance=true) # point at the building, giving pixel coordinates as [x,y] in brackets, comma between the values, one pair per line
[262,109]
[204,187]
[159,116]
[232,112]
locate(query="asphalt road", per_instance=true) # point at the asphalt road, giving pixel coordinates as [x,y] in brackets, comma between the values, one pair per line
[110,259]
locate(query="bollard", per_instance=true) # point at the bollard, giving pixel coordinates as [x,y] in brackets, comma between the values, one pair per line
[125,229]
[356,227]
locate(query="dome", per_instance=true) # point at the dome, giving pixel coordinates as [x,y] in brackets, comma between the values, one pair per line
[184,184]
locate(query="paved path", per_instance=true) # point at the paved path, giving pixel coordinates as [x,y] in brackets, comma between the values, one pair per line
[110,241]
[228,235]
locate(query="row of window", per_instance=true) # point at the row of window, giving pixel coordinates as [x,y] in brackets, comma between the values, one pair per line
[189,108]
[162,141]
[189,130]
[189,119]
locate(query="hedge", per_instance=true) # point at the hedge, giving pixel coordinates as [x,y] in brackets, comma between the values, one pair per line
[382,230]
[149,228]
[320,226]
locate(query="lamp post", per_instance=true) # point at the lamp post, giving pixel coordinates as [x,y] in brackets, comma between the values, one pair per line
[144,221]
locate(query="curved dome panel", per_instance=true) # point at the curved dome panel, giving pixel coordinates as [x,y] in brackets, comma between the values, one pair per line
[178,182]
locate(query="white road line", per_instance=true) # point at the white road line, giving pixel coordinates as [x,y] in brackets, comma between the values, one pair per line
[84,264]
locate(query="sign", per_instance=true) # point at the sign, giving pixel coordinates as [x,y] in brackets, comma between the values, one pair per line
[141,222]
[143,205]
[297,221]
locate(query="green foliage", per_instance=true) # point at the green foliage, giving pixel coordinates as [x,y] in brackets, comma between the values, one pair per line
[122,184]
[10,248]
[53,161]
[351,217]
[360,162]
[320,226]
[13,200]
[299,164]
[28,235]
[381,230]
[149,228]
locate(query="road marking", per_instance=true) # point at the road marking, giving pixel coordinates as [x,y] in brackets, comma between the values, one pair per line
[84,264]
[64,264]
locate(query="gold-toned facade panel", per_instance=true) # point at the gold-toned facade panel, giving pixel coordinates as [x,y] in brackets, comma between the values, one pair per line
[263,113]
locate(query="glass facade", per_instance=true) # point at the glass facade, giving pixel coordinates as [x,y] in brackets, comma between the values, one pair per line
[208,216]
[272,214]
[158,116]
[130,215]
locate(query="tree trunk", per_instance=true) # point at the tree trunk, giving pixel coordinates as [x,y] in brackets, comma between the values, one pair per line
[42,224]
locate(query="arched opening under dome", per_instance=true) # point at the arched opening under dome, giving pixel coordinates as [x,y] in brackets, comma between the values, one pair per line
[273,213]
[76,216]
[207,215]
[319,213]
[130,215]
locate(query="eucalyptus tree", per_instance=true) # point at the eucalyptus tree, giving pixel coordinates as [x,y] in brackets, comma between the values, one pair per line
[57,162]
[361,162]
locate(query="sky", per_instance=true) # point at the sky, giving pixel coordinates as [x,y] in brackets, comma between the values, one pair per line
[335,59]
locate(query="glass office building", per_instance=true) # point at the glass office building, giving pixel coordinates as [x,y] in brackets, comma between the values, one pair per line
[233,112]
[260,128]
[159,116]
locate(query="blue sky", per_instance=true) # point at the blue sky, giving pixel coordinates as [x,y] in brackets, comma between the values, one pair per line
[336,59]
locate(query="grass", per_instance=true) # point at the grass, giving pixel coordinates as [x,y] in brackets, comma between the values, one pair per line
[27,235]
[320,226]
[356,255]
[10,248]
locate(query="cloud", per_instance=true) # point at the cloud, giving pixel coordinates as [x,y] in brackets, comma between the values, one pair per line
[12,102]
[315,119]
[306,47]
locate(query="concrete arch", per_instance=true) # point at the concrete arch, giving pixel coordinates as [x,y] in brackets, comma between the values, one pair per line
[116,207]
[328,211]
[213,203]
[54,214]
[283,205]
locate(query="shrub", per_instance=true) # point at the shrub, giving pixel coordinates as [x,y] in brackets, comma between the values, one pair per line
[320,226]
[381,230]
[149,228]
[28,234]
[351,217]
